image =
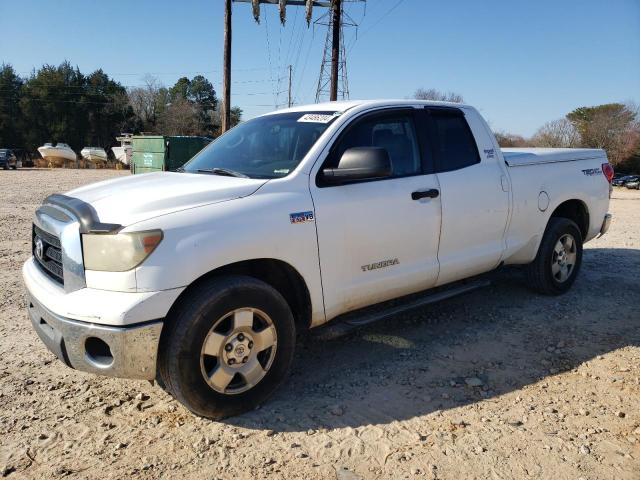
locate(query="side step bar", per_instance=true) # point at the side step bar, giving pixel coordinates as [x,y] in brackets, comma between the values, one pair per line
[344,324]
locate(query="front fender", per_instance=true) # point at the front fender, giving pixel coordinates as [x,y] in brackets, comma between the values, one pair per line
[206,238]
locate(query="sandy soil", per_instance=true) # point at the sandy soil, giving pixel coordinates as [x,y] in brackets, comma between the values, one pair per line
[501,383]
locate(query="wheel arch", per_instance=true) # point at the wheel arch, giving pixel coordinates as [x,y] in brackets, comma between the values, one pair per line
[575,210]
[277,273]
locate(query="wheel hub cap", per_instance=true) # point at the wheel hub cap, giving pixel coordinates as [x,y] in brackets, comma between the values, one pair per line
[238,351]
[564,258]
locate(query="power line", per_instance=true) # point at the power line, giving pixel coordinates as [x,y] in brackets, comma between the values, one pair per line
[397,4]
[266,28]
[24,72]
[300,42]
[293,31]
[306,60]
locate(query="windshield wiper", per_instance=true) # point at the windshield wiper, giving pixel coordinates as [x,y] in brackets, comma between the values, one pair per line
[222,171]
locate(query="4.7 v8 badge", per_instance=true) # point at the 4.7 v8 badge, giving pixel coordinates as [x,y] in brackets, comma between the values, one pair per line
[301,217]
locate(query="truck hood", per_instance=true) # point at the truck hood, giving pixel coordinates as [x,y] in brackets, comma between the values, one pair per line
[135,198]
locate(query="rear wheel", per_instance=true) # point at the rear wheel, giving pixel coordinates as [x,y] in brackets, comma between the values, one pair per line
[229,347]
[559,258]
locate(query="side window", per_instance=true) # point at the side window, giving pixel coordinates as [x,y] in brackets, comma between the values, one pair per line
[454,143]
[395,132]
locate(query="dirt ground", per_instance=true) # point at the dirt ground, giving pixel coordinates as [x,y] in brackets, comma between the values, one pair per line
[500,384]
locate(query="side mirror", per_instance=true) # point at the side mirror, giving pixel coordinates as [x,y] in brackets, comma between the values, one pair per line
[359,163]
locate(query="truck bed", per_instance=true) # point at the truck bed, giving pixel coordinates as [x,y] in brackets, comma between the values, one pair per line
[518,157]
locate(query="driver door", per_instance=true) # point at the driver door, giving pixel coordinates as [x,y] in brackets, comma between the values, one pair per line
[375,241]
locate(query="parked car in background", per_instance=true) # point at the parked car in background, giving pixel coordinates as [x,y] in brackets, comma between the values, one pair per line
[8,159]
[620,181]
[633,183]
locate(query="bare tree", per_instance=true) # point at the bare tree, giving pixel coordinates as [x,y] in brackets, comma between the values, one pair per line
[436,95]
[507,140]
[558,133]
[148,101]
[608,126]
[181,117]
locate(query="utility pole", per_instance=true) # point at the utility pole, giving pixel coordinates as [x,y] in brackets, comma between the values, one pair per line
[226,76]
[290,75]
[335,48]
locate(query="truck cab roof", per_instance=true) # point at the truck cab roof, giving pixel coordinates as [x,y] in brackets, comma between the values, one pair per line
[344,105]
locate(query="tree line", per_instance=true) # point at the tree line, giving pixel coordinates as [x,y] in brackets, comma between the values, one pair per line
[614,127]
[61,104]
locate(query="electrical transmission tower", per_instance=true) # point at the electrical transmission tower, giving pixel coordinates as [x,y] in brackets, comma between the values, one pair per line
[333,81]
[339,89]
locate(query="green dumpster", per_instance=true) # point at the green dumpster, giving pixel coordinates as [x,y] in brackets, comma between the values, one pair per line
[158,153]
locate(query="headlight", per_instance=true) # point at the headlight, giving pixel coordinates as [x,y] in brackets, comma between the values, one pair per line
[119,252]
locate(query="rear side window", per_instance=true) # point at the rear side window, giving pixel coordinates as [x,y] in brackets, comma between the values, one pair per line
[454,143]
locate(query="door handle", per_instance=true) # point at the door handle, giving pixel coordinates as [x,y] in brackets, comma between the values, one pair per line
[432,193]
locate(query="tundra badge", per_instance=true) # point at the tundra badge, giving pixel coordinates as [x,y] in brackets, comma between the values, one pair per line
[382,264]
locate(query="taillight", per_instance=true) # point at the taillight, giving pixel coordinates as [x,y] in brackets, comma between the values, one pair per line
[608,172]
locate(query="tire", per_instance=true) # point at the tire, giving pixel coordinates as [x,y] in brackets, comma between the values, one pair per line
[194,364]
[546,274]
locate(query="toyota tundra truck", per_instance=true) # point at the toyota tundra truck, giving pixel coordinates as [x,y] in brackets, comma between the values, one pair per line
[344,212]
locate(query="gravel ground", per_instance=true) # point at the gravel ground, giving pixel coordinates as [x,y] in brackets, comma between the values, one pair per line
[501,383]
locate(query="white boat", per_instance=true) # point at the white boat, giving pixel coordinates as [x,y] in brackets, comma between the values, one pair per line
[125,150]
[60,153]
[94,154]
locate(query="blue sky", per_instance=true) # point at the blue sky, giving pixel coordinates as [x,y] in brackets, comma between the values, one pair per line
[520,62]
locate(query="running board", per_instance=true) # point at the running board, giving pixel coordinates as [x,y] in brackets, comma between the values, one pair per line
[351,321]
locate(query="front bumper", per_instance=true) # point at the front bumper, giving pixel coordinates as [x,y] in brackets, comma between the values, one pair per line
[128,352]
[98,331]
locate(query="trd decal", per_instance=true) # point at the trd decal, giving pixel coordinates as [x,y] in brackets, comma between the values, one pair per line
[592,171]
[382,264]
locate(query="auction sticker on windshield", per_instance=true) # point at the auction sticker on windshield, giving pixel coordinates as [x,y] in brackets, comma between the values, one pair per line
[316,118]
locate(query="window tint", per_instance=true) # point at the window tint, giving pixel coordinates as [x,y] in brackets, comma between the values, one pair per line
[455,146]
[394,132]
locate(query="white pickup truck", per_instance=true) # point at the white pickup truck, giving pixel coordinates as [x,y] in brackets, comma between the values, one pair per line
[202,278]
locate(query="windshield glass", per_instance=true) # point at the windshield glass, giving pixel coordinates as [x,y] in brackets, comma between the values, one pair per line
[265,147]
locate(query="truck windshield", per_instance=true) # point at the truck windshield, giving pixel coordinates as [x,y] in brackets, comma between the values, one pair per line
[265,147]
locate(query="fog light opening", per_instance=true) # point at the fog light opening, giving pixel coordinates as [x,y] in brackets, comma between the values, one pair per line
[98,352]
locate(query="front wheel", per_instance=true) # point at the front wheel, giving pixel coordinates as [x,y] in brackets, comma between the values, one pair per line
[228,348]
[559,258]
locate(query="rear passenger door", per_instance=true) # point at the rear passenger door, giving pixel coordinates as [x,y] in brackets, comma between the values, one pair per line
[474,197]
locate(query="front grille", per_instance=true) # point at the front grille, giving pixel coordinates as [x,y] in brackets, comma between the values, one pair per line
[50,260]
